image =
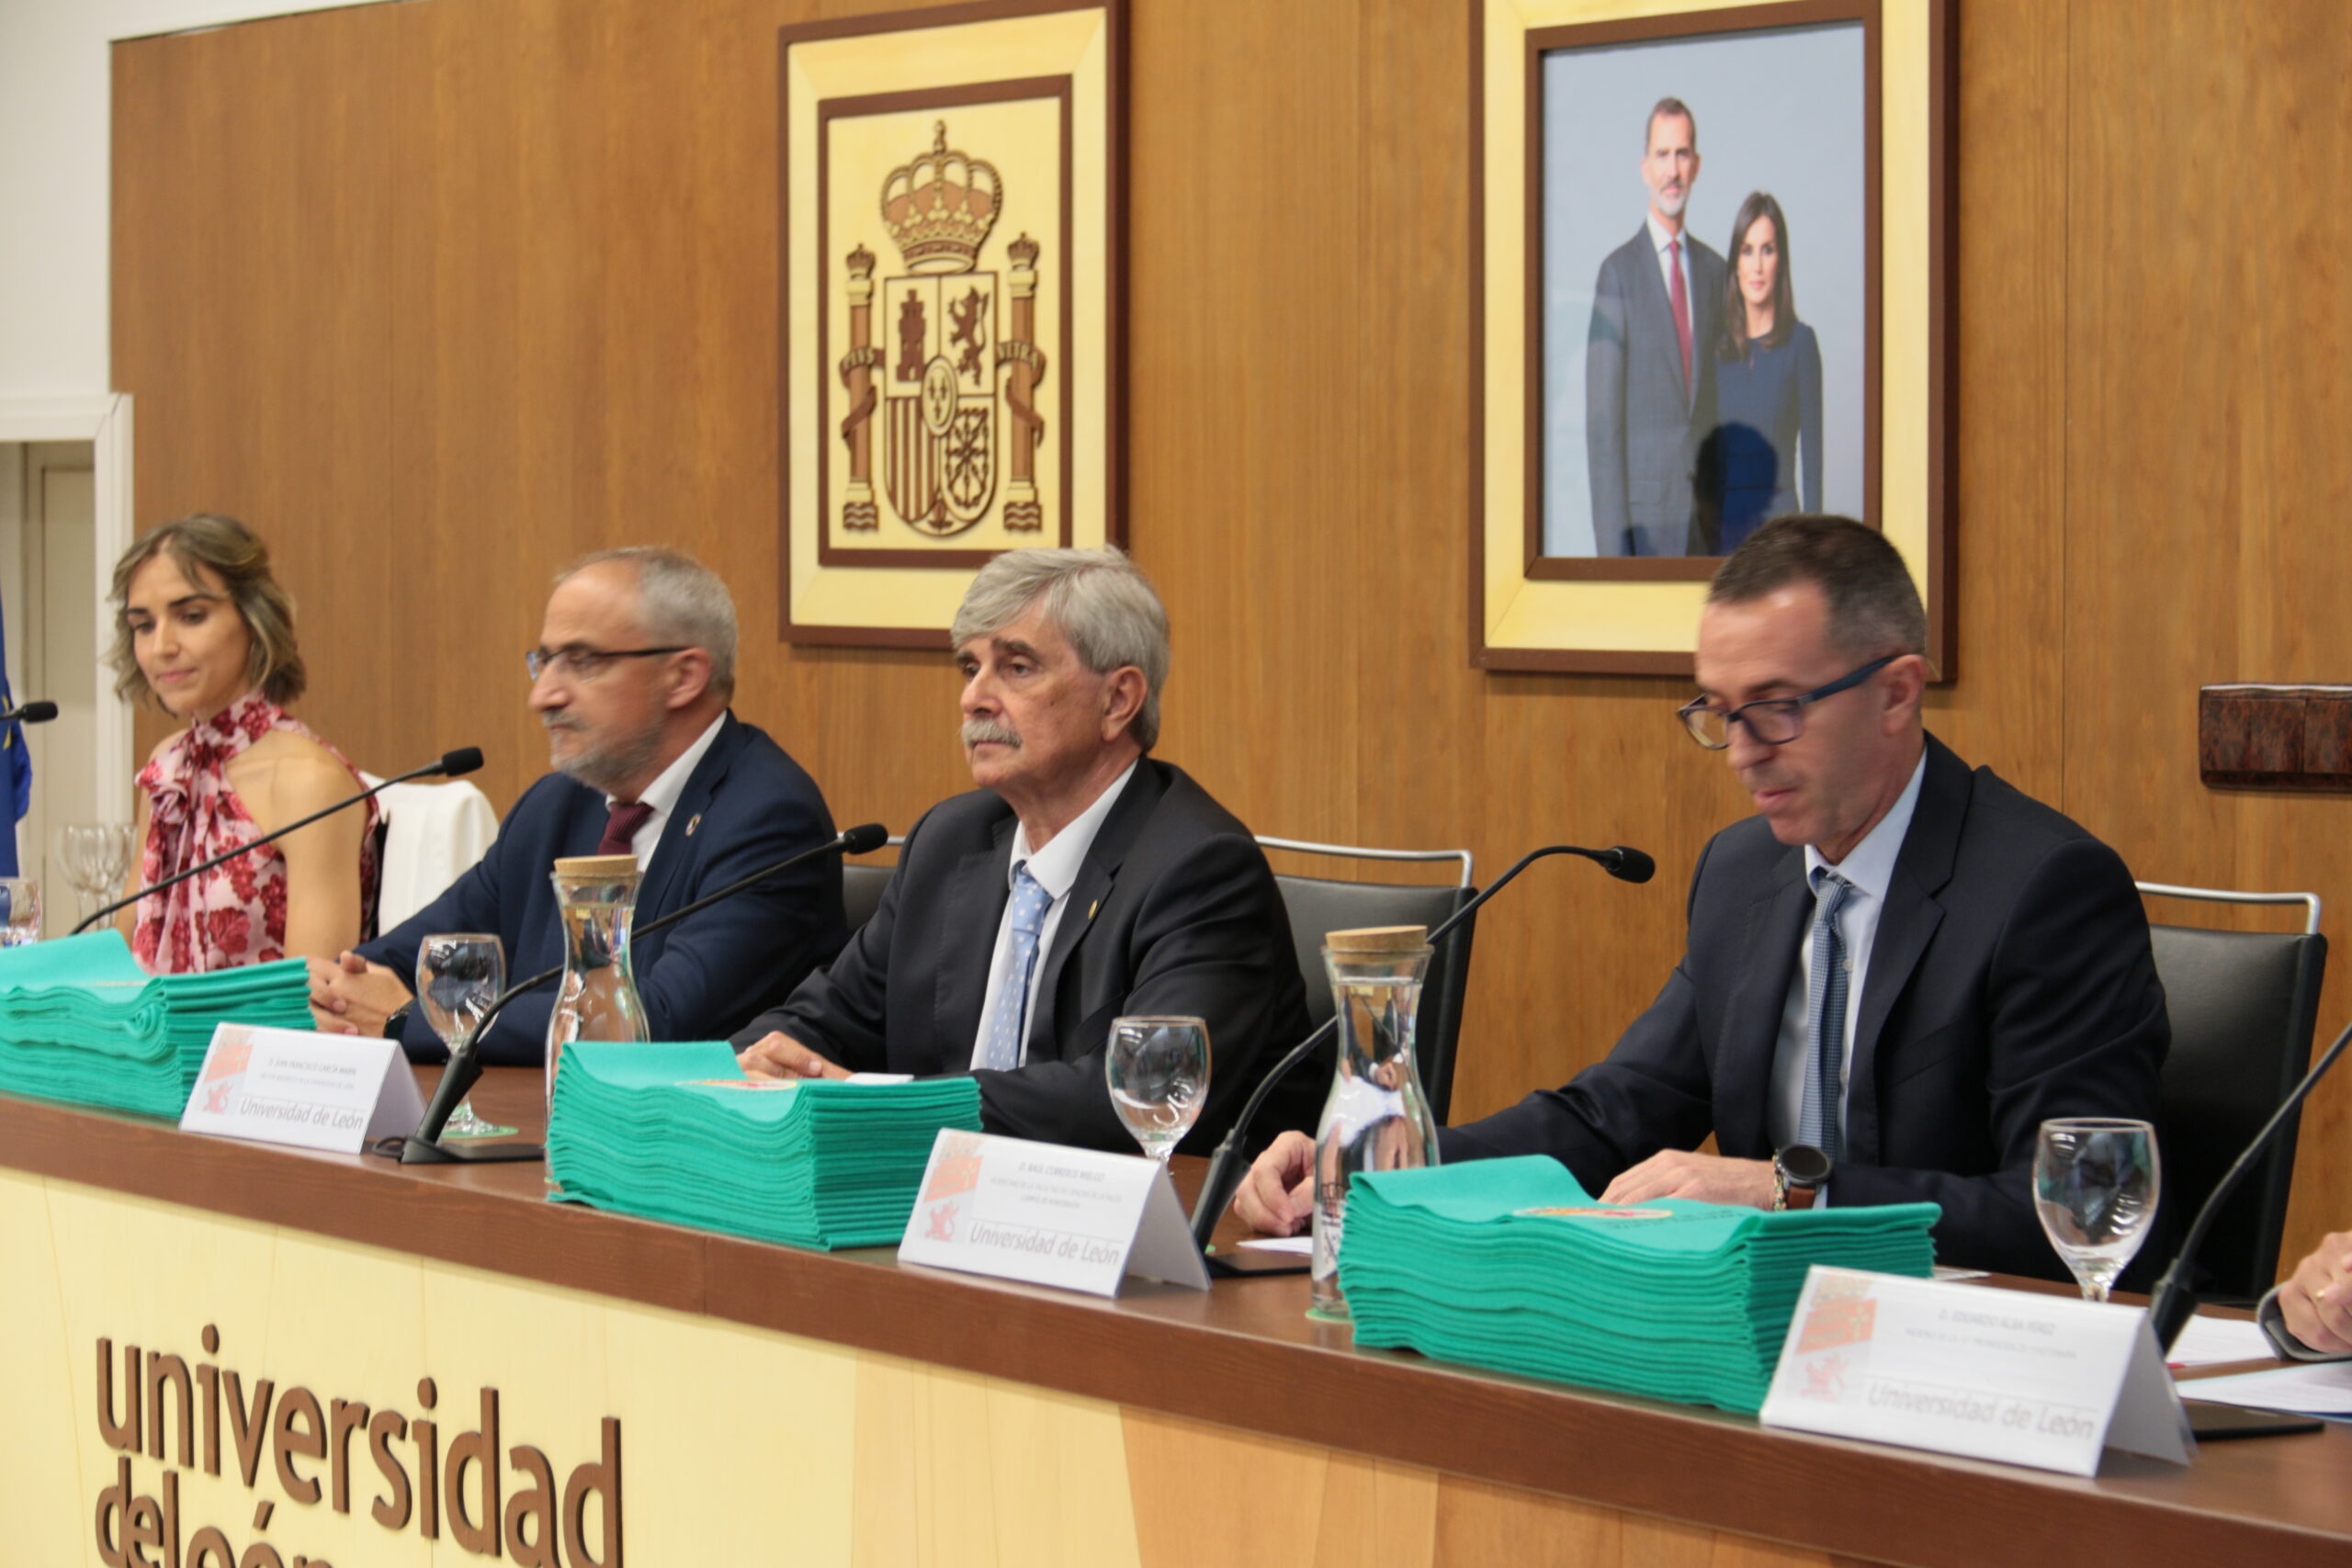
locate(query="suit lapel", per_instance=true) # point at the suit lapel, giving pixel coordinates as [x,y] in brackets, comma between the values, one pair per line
[676,849]
[1904,927]
[1087,895]
[1651,285]
[973,909]
[1766,962]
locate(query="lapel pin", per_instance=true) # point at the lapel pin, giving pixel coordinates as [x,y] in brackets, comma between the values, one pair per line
[692,823]
[1092,908]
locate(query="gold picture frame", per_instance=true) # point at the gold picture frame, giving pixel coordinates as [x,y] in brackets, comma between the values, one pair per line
[952,304]
[1637,614]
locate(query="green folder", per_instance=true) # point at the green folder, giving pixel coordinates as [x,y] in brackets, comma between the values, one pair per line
[1511,1264]
[80,1021]
[677,1133]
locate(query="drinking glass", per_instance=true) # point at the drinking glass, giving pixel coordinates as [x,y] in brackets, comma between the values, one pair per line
[458,975]
[2094,1186]
[97,857]
[1159,1071]
[20,912]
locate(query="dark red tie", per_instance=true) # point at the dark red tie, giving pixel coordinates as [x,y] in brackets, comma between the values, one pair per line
[620,828]
[1681,312]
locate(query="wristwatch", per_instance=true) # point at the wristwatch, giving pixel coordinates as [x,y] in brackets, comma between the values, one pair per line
[1799,1167]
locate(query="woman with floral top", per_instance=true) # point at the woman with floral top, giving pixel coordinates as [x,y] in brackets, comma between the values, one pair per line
[206,634]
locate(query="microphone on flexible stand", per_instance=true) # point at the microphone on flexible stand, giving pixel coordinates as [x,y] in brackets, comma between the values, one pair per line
[457,1080]
[1625,863]
[451,764]
[2174,1302]
[37,711]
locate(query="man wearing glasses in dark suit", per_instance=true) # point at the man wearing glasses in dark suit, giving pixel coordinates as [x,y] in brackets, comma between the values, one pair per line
[1895,971]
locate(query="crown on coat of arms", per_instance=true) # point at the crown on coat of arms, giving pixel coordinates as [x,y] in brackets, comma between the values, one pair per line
[940,206]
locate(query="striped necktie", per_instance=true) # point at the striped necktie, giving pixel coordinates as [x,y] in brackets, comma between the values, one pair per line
[1819,1123]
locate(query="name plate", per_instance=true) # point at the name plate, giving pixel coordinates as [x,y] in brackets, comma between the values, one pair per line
[1049,1216]
[2007,1375]
[312,1092]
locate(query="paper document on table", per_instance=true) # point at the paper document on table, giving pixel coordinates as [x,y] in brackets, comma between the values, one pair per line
[1304,1246]
[2207,1341]
[2319,1389]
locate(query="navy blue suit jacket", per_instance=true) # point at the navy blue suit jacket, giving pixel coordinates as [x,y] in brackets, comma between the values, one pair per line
[1174,911]
[746,804]
[2010,981]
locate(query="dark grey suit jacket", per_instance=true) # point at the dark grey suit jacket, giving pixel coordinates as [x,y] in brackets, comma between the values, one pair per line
[2010,981]
[1174,911]
[1641,425]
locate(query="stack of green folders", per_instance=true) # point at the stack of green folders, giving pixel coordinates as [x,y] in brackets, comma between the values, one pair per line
[677,1133]
[1509,1264]
[80,1021]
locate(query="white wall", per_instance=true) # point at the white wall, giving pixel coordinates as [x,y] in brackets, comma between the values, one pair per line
[54,150]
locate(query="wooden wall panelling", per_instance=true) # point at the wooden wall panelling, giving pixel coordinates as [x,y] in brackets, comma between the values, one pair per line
[440,295]
[2008,710]
[1251,304]
[256,308]
[2203,337]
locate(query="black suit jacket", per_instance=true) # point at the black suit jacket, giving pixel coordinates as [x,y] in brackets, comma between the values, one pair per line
[745,805]
[1174,911]
[1643,423]
[2010,981]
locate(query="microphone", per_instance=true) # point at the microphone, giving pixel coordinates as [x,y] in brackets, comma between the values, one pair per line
[1225,1166]
[457,1080]
[2173,1302]
[30,712]
[465,759]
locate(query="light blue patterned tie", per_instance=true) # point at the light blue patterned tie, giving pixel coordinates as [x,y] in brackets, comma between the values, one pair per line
[1818,1124]
[1030,902]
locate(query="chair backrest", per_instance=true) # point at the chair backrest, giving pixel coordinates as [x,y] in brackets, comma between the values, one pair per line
[1318,907]
[861,889]
[2243,1005]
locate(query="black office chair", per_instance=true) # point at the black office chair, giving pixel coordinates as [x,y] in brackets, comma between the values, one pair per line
[2243,1005]
[1317,906]
[861,889]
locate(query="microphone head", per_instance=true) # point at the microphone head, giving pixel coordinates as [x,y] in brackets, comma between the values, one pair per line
[464,760]
[863,838]
[1628,864]
[36,712]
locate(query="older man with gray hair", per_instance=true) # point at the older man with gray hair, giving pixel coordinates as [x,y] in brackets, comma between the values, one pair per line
[1083,880]
[632,677]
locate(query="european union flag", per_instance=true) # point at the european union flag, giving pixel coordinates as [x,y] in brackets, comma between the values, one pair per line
[16,767]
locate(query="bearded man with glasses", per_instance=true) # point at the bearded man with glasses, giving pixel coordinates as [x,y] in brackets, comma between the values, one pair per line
[1895,971]
[632,679]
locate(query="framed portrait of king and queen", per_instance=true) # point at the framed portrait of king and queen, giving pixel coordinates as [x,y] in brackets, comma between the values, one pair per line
[950,342]
[1712,289]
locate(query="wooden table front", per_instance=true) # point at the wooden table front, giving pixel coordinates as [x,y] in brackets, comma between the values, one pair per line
[814,1407]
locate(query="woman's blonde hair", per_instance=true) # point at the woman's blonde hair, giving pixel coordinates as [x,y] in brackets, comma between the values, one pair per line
[237,556]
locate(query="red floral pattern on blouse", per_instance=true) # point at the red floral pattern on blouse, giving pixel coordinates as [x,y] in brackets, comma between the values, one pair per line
[233,914]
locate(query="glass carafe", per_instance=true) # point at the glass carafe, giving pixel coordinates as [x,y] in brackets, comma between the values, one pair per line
[1376,1117]
[595,897]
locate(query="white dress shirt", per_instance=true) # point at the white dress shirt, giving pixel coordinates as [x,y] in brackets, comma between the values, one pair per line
[664,791]
[1054,867]
[1871,868]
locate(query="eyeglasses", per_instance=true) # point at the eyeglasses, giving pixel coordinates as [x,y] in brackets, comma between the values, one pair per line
[1775,721]
[584,664]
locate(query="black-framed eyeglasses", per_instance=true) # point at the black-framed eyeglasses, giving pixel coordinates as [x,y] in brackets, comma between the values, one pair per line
[1773,721]
[584,664]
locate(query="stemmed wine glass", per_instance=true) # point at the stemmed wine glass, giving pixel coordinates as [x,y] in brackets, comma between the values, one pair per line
[2094,1185]
[458,975]
[1158,1072]
[20,912]
[97,857]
